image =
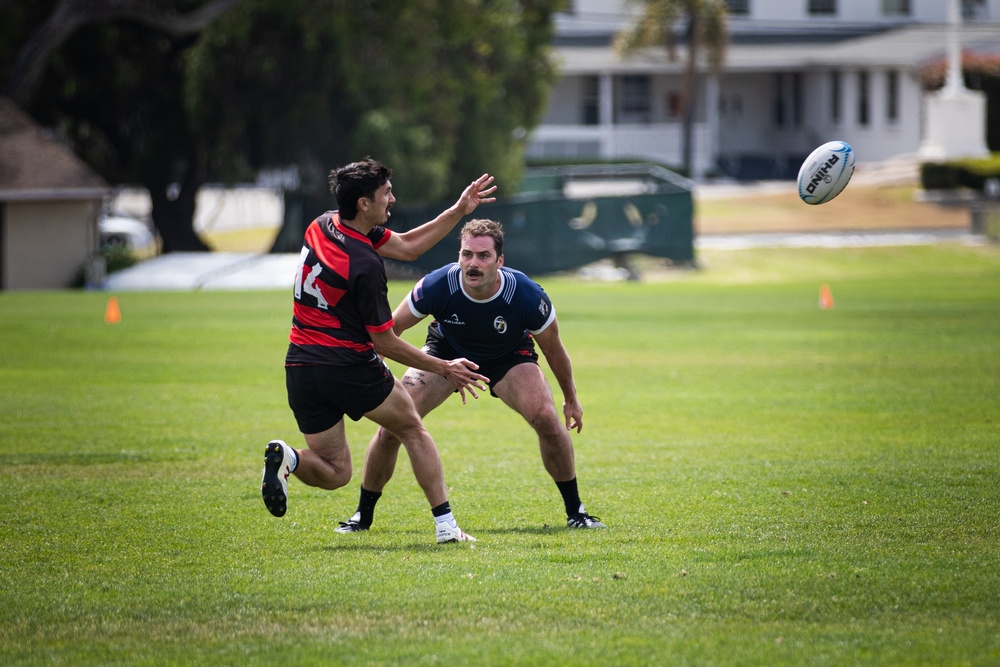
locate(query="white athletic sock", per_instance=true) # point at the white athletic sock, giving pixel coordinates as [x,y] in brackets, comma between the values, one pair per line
[448,518]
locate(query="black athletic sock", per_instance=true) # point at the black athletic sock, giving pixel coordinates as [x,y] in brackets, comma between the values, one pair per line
[570,495]
[366,506]
[442,509]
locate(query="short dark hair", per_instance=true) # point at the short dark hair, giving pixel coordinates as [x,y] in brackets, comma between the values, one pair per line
[482,227]
[356,180]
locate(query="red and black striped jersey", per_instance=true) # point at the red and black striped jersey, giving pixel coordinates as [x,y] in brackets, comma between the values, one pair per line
[340,294]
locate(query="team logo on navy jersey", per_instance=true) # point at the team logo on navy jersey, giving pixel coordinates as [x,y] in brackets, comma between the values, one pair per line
[543,307]
[500,324]
[454,319]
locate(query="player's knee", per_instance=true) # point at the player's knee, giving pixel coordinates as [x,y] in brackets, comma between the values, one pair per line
[385,438]
[545,422]
[415,436]
[336,475]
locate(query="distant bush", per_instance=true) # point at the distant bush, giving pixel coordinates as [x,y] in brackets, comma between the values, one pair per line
[116,257]
[970,173]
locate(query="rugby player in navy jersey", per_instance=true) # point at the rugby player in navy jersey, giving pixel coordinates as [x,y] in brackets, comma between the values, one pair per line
[341,323]
[493,316]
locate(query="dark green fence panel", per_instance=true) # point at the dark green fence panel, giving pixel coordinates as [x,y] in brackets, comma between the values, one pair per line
[549,232]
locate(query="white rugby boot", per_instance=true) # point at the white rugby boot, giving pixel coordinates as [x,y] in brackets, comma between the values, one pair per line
[279,461]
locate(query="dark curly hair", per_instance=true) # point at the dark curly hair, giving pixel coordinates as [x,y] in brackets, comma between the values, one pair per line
[356,180]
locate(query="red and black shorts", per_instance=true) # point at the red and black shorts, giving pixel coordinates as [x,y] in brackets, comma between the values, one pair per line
[320,395]
[494,369]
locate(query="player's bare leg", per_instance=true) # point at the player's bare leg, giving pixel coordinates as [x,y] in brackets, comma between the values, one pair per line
[326,461]
[400,422]
[427,391]
[525,389]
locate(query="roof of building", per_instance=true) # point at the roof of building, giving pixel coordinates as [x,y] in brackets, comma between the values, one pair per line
[906,47]
[35,167]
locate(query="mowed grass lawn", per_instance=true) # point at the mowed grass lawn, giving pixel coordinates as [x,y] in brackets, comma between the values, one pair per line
[783,484]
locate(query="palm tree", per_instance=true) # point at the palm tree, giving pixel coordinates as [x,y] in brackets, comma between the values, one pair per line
[700,23]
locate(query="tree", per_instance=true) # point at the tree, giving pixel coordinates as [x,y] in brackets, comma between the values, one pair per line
[703,24]
[441,91]
[438,91]
[108,75]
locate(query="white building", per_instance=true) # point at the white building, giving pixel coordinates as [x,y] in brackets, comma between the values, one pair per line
[797,73]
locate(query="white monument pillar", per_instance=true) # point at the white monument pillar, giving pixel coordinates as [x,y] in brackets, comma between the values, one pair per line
[956,116]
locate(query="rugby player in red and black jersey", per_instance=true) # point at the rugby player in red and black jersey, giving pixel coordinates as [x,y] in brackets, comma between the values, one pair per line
[342,323]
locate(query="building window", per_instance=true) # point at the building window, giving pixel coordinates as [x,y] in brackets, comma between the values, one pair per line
[738,7]
[822,7]
[730,106]
[635,100]
[590,101]
[974,9]
[779,99]
[864,102]
[835,97]
[673,105]
[895,7]
[892,97]
[797,99]
[788,99]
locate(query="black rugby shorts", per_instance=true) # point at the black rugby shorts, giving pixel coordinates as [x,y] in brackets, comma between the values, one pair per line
[321,395]
[494,369]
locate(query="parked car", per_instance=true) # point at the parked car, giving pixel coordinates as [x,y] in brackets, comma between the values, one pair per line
[121,229]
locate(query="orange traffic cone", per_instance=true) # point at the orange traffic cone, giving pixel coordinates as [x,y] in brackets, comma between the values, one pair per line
[113,314]
[825,298]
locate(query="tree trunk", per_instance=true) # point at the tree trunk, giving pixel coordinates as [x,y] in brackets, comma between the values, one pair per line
[173,217]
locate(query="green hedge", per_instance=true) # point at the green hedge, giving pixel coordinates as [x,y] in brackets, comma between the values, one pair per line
[966,173]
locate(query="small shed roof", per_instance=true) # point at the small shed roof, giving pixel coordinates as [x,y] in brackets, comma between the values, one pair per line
[34,167]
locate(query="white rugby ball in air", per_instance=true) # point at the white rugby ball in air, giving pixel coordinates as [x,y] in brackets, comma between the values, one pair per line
[826,172]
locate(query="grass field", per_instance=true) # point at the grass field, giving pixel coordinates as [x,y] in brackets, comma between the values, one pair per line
[783,485]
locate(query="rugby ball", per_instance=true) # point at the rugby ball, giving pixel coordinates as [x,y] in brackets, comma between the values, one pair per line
[826,172]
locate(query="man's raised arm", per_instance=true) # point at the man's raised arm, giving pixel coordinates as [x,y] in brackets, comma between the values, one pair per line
[407,246]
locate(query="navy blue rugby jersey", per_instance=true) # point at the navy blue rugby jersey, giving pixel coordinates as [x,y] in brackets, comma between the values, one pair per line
[340,295]
[488,329]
